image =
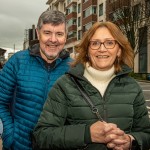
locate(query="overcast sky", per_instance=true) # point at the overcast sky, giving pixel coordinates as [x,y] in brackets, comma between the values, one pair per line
[15,17]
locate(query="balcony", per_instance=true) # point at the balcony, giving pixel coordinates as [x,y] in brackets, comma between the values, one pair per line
[55,2]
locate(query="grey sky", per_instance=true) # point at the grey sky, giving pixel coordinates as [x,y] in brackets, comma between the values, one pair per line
[15,17]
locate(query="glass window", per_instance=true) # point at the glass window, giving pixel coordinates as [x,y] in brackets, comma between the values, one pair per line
[89,11]
[68,1]
[72,21]
[79,21]
[85,1]
[87,26]
[94,9]
[72,34]
[143,50]
[72,8]
[79,34]
[79,8]
[101,9]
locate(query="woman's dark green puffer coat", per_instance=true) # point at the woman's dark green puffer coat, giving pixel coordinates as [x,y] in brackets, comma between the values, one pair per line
[66,114]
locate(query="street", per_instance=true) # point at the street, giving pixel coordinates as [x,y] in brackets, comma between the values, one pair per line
[146,89]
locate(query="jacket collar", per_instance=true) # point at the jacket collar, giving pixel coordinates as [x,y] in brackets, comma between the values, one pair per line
[78,70]
[34,51]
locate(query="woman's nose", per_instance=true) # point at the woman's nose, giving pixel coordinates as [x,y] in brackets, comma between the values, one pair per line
[102,47]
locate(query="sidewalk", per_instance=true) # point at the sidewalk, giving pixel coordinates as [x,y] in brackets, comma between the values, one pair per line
[147,81]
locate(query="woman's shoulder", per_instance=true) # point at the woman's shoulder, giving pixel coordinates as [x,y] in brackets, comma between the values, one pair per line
[63,79]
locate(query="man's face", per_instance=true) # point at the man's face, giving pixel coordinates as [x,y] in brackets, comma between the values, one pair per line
[52,40]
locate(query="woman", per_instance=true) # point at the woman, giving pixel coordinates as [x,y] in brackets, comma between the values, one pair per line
[104,60]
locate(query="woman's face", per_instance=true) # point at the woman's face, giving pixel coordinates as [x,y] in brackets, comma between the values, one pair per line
[102,56]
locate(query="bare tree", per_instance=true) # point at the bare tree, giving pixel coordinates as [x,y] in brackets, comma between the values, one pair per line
[133,19]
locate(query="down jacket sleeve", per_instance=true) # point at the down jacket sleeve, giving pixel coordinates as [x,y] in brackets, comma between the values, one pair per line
[7,88]
[52,131]
[141,126]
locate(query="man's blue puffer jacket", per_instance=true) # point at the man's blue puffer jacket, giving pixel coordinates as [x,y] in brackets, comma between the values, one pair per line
[24,84]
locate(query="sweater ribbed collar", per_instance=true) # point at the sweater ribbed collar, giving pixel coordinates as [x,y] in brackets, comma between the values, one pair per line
[97,75]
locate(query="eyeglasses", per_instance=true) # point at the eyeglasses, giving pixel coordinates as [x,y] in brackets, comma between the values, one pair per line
[109,44]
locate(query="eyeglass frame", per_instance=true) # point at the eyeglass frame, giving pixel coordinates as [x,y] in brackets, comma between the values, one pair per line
[103,44]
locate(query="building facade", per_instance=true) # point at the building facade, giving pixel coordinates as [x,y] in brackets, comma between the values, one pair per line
[30,37]
[2,57]
[82,14]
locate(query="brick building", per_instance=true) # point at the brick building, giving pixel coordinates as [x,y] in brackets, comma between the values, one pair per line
[82,14]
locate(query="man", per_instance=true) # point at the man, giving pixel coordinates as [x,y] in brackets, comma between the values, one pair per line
[28,76]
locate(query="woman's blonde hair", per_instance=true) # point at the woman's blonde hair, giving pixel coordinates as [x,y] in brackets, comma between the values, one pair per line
[127,54]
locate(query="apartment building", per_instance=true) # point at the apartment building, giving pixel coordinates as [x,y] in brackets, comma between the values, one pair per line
[81,15]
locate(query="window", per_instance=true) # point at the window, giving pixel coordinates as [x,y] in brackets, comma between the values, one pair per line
[79,34]
[79,8]
[72,8]
[72,21]
[143,49]
[72,34]
[94,10]
[87,26]
[68,11]
[85,1]
[89,11]
[79,21]
[68,2]
[101,9]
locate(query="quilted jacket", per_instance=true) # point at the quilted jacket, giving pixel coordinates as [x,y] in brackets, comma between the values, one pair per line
[66,114]
[24,84]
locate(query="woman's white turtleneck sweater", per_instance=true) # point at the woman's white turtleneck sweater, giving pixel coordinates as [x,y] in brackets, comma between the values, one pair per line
[99,79]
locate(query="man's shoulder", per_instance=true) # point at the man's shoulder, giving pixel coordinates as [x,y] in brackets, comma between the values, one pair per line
[22,52]
[21,55]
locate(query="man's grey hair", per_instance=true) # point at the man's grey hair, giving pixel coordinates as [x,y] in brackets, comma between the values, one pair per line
[53,17]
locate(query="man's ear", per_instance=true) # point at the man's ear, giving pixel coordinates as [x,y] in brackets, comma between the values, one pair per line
[37,32]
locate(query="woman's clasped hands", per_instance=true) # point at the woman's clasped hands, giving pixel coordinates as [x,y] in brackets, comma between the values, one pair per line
[111,135]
